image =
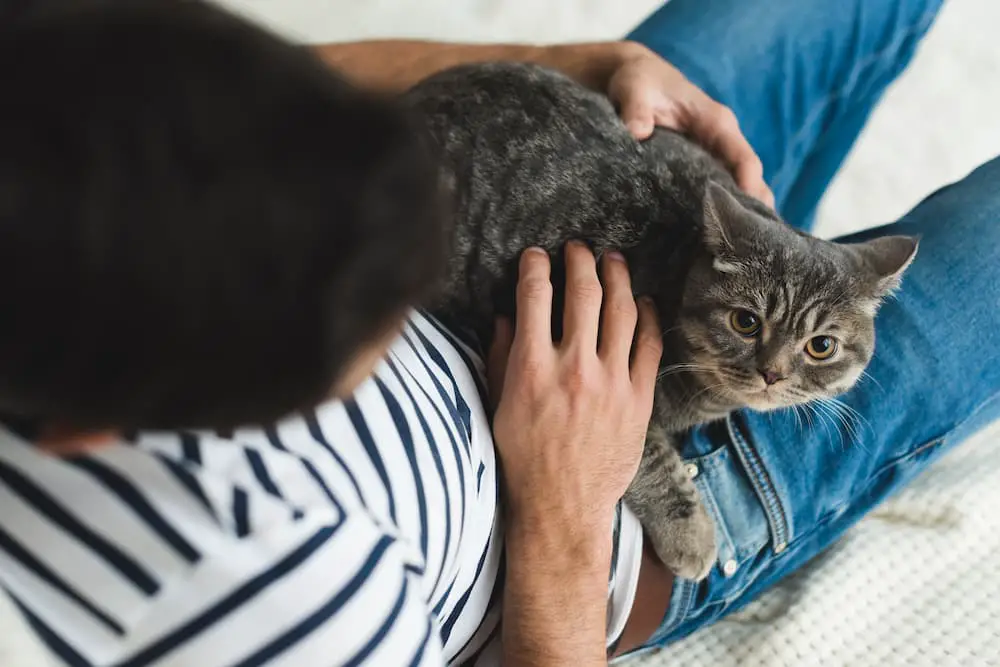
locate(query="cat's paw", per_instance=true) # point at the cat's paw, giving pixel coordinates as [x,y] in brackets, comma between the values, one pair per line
[686,545]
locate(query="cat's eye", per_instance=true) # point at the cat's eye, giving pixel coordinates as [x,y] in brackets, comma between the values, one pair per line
[744,323]
[821,347]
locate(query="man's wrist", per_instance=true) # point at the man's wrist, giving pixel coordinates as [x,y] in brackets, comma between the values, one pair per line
[561,540]
[555,597]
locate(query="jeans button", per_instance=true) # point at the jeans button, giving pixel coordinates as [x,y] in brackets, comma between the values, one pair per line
[729,568]
[692,470]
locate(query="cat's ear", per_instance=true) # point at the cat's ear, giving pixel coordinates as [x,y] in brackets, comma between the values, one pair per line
[887,258]
[723,220]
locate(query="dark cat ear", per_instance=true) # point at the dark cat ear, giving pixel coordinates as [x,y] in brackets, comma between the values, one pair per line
[723,219]
[887,257]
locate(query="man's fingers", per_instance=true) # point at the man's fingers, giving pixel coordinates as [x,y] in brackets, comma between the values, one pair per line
[648,348]
[618,316]
[750,177]
[534,298]
[635,108]
[717,128]
[640,128]
[638,117]
[582,315]
[496,369]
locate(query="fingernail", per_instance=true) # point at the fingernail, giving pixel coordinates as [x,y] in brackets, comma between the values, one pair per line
[534,250]
[576,242]
[639,129]
[615,255]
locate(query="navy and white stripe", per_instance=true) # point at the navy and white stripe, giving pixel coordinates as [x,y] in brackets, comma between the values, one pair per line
[365,531]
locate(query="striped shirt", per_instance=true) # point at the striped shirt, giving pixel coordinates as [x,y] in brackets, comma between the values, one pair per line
[365,531]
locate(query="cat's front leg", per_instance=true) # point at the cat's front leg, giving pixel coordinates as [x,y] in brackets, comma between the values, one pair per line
[667,504]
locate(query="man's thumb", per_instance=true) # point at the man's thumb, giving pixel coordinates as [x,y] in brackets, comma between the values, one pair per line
[638,117]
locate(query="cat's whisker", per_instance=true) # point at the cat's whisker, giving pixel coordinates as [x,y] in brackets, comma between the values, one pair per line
[849,427]
[670,330]
[851,410]
[839,425]
[808,415]
[840,297]
[798,419]
[846,409]
[701,391]
[865,375]
[850,418]
[682,368]
[856,418]
[836,414]
[822,417]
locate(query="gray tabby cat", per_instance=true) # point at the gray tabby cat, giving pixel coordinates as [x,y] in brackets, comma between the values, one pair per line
[755,313]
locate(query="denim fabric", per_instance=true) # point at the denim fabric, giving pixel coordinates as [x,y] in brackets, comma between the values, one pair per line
[802,77]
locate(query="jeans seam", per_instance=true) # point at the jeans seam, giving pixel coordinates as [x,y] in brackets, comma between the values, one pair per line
[933,442]
[927,445]
[777,517]
[813,116]
[834,512]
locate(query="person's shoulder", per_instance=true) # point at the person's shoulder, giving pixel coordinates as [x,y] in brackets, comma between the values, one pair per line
[455,332]
[186,545]
[449,343]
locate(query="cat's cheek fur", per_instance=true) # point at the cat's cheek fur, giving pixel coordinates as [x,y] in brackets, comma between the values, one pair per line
[847,381]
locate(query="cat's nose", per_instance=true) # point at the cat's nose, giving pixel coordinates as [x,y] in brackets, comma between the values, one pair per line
[770,377]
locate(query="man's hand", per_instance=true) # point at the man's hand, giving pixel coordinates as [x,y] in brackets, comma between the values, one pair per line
[569,429]
[572,416]
[651,92]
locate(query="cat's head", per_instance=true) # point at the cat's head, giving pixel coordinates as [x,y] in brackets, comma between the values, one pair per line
[772,317]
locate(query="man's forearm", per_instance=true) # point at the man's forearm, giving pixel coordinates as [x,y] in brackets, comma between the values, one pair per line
[555,595]
[395,65]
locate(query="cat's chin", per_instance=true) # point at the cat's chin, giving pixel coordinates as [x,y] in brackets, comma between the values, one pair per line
[763,401]
[728,399]
[762,406]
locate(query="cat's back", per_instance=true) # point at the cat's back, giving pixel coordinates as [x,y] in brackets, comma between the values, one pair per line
[530,157]
[503,101]
[516,138]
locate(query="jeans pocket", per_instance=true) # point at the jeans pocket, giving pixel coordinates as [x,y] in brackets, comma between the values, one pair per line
[742,530]
[741,524]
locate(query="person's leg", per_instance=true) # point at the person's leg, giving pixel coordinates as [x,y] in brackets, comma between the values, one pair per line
[802,76]
[783,487]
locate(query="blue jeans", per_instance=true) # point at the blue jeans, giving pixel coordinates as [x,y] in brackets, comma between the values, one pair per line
[802,77]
